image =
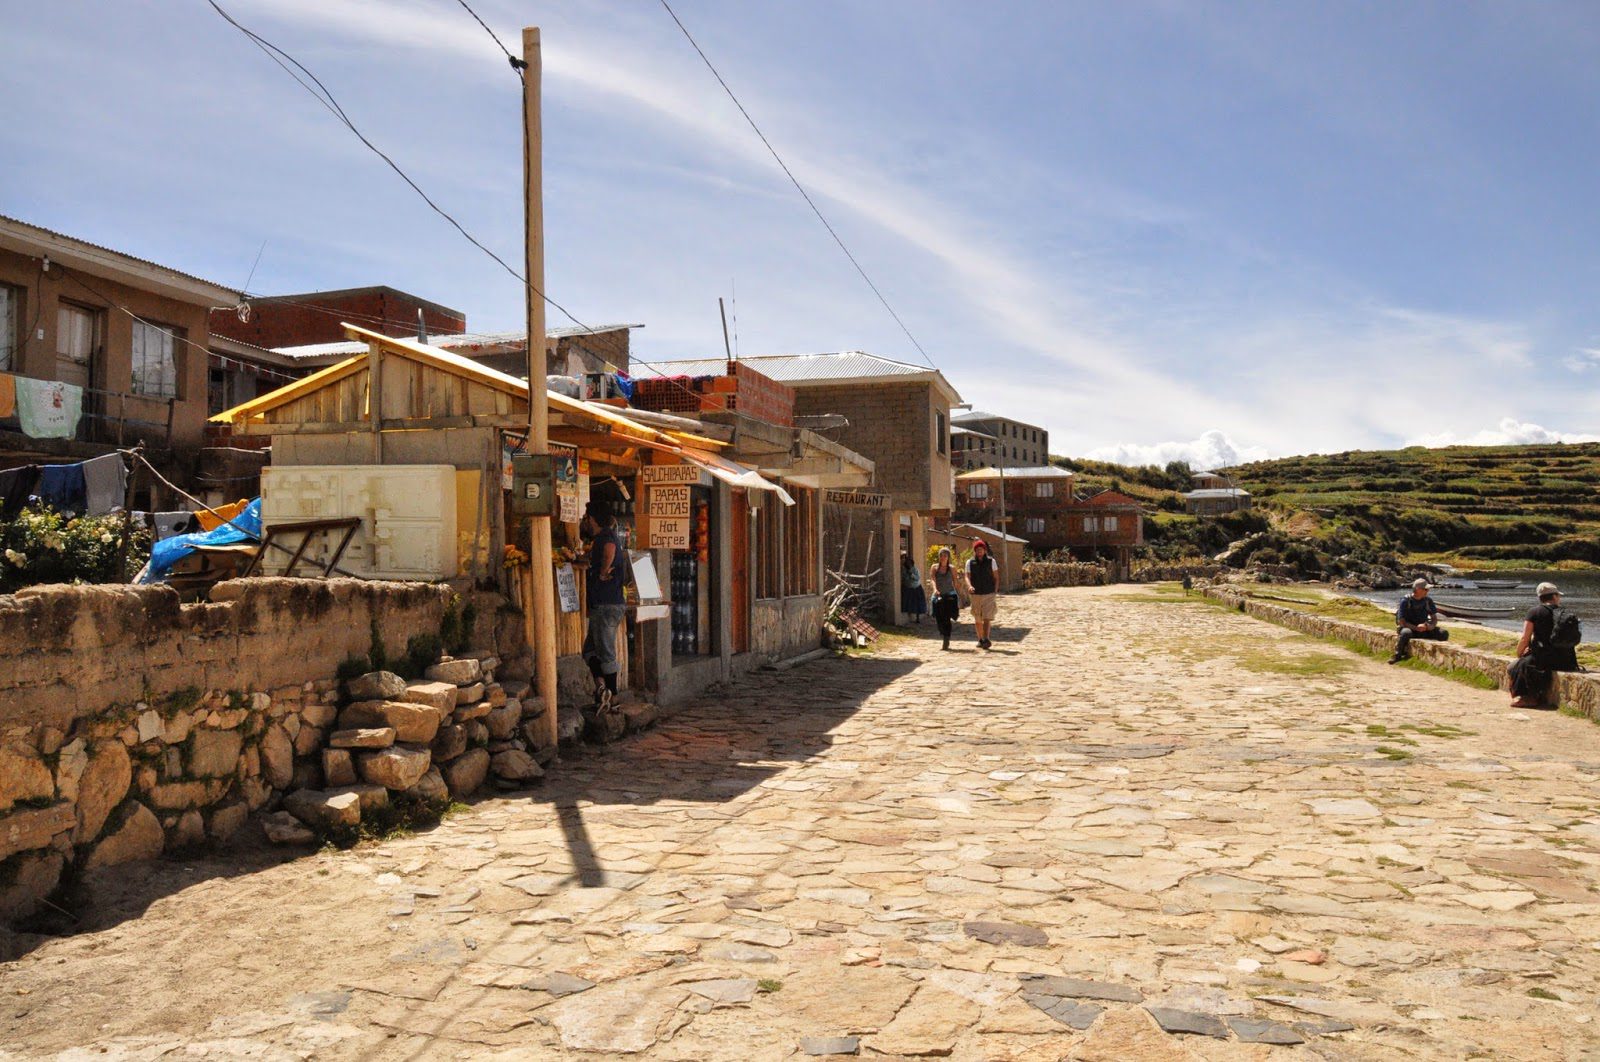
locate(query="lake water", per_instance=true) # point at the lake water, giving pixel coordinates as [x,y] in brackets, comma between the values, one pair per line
[1580,592]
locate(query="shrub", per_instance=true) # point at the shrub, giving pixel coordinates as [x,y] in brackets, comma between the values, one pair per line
[43,546]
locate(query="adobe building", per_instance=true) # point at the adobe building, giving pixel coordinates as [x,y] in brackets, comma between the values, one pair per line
[132,336]
[318,316]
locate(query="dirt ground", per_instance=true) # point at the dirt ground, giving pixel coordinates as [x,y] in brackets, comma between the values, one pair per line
[1138,828]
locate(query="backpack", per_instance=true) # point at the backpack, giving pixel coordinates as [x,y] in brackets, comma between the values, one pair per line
[1567,633]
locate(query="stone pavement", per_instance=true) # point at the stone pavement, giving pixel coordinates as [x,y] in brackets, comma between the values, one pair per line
[1138,829]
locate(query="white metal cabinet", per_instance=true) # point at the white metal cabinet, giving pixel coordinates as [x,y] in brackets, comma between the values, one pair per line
[408,516]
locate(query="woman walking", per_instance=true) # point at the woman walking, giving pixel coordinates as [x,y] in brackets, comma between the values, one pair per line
[913,598]
[1550,639]
[945,579]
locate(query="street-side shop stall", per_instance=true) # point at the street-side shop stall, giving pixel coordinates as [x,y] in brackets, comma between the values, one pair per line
[425,447]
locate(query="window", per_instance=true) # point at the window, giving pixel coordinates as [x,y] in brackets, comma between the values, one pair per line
[1109,523]
[155,368]
[800,544]
[1035,525]
[978,490]
[10,323]
[1013,453]
[768,533]
[943,432]
[1044,490]
[77,331]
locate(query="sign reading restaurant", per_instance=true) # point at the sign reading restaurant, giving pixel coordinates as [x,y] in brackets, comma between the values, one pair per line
[860,499]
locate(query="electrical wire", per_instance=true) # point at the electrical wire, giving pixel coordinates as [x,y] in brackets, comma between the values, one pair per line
[325,97]
[516,64]
[794,181]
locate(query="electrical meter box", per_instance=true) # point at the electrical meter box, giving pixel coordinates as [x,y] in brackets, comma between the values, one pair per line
[533,485]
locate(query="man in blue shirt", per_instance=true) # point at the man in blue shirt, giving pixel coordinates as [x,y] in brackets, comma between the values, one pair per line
[1417,617]
[607,567]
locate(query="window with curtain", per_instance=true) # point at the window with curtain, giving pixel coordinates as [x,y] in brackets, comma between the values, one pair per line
[10,325]
[1045,490]
[155,367]
[1035,525]
[978,490]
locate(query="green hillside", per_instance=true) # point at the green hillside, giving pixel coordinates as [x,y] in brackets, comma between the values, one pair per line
[1472,506]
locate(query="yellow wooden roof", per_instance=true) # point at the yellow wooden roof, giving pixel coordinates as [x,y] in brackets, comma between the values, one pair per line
[447,361]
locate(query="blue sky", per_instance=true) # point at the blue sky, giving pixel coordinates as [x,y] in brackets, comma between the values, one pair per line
[1158,229]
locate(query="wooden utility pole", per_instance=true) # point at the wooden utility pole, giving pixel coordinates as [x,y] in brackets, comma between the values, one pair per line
[539,604]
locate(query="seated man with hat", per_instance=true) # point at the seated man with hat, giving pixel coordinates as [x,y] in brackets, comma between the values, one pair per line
[1417,617]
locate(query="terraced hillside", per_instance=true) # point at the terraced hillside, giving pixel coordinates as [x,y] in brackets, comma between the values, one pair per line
[1473,506]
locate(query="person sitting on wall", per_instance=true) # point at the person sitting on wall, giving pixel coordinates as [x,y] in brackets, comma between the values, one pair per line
[606,570]
[1550,639]
[1417,617]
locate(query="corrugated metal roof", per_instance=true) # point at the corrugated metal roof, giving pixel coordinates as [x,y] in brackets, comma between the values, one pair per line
[796,368]
[459,341]
[1218,492]
[981,529]
[1037,472]
[118,254]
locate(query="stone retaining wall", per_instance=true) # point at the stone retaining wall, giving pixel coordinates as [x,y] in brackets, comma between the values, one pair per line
[1041,575]
[1579,692]
[70,652]
[1163,573]
[131,725]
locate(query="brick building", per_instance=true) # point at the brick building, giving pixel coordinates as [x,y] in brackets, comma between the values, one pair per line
[988,440]
[316,317]
[1039,505]
[894,413]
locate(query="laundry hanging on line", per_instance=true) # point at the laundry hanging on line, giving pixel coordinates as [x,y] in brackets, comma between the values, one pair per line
[105,484]
[8,395]
[16,487]
[63,489]
[48,409]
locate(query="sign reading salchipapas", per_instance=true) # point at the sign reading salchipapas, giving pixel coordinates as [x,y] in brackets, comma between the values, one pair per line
[669,501]
[860,499]
[689,475]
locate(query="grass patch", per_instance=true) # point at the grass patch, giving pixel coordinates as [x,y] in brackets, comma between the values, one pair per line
[1543,993]
[1310,665]
[1568,710]
[769,984]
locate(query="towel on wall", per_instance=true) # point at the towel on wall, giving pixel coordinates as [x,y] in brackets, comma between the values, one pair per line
[63,488]
[105,483]
[8,395]
[48,409]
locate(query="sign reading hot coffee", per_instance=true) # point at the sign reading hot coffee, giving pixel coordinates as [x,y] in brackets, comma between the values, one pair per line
[689,475]
[668,533]
[671,501]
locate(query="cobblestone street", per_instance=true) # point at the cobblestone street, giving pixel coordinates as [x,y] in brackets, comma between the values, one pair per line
[1140,828]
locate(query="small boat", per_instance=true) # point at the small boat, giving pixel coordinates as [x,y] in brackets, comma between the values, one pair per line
[1471,612]
[1496,584]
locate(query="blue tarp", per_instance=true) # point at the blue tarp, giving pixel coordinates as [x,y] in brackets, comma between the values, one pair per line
[246,527]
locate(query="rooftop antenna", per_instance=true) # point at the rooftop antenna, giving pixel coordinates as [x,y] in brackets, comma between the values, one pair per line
[735,284]
[422,328]
[726,348]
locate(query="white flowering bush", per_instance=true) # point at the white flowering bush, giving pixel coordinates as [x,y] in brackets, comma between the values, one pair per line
[42,546]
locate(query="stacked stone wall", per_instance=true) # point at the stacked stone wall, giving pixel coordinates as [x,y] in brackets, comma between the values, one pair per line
[1042,575]
[1578,692]
[132,725]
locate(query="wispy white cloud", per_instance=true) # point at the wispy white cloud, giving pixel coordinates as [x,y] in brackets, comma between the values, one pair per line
[1584,359]
[1510,432]
[1213,449]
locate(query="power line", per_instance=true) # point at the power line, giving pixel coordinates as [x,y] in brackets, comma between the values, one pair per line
[518,65]
[325,97]
[328,100]
[792,180]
